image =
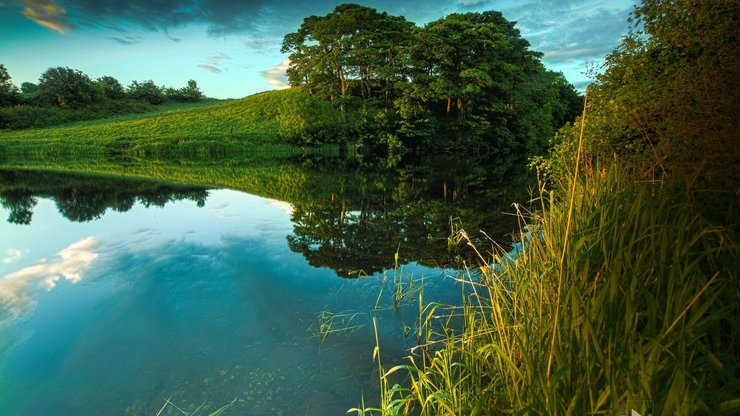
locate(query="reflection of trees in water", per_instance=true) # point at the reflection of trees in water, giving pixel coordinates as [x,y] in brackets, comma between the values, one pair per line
[20,203]
[85,198]
[350,214]
[362,242]
[410,210]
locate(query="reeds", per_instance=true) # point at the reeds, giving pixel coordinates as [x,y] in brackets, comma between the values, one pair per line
[623,296]
[170,408]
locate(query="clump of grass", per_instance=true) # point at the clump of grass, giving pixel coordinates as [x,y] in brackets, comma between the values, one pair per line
[622,294]
[333,323]
[402,288]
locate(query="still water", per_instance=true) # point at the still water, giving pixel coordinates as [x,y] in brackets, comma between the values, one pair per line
[134,297]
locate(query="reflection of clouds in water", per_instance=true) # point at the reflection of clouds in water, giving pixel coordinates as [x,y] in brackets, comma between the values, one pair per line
[281,205]
[220,211]
[141,237]
[73,260]
[147,232]
[12,255]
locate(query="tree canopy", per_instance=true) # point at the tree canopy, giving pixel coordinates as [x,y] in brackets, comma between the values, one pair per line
[469,76]
[29,88]
[111,87]
[8,91]
[146,91]
[66,87]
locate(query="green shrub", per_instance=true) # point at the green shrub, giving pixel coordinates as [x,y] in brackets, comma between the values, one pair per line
[306,119]
[31,116]
[146,91]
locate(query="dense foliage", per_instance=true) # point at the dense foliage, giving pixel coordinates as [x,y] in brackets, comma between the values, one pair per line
[67,95]
[8,92]
[668,101]
[66,88]
[29,88]
[464,81]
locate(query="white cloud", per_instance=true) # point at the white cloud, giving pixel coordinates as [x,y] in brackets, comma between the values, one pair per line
[276,76]
[263,44]
[213,62]
[47,14]
[16,288]
[210,68]
[12,255]
[216,58]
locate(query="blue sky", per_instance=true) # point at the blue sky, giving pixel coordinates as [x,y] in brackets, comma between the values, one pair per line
[232,48]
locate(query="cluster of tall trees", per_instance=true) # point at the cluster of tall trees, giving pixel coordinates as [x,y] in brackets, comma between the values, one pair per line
[471,76]
[71,89]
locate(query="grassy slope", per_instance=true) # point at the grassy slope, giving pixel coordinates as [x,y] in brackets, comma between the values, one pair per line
[216,127]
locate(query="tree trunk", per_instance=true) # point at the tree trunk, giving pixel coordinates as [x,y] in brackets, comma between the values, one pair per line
[342,80]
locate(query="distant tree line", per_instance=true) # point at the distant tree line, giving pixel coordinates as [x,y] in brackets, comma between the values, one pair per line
[64,94]
[460,81]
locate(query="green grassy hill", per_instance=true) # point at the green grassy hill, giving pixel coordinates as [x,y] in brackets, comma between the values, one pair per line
[262,119]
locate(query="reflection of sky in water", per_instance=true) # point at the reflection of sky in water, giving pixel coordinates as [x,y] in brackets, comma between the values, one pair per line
[204,305]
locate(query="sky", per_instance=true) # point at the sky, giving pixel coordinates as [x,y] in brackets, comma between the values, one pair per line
[232,48]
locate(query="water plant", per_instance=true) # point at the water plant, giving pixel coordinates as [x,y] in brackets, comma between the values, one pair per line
[169,405]
[333,323]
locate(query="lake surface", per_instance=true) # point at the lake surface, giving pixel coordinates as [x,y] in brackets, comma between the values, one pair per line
[122,296]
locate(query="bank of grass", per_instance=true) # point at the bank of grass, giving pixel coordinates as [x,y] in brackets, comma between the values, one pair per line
[209,129]
[624,295]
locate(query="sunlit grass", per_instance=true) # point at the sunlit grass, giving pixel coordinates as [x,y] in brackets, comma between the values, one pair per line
[207,128]
[646,314]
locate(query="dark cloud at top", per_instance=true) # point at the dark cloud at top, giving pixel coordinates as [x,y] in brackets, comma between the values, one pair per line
[227,17]
[222,17]
[150,14]
[469,4]
[566,31]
